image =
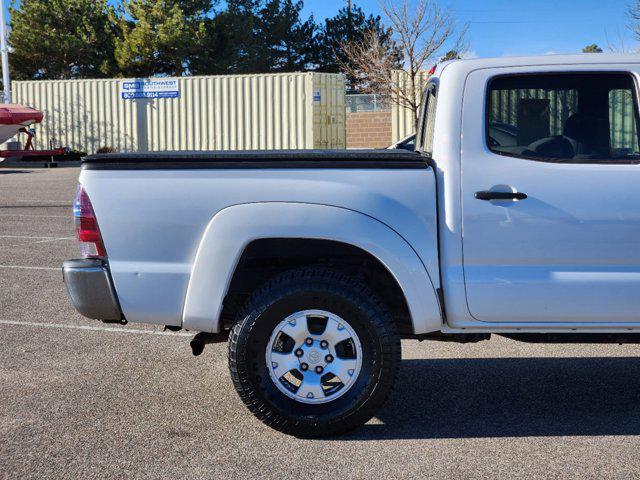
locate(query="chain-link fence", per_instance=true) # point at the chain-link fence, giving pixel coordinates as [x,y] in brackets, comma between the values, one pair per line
[360,102]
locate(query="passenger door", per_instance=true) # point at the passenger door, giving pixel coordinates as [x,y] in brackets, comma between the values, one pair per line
[551,197]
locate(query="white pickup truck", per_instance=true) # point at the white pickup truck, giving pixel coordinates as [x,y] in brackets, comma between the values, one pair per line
[518,215]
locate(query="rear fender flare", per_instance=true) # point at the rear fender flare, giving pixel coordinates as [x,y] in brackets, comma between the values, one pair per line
[233,228]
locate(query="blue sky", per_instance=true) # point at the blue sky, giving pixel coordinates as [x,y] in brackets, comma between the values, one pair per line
[523,27]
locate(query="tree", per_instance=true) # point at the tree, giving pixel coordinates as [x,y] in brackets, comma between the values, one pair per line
[423,32]
[229,43]
[348,27]
[634,15]
[450,55]
[158,37]
[222,47]
[284,43]
[258,36]
[59,39]
[593,48]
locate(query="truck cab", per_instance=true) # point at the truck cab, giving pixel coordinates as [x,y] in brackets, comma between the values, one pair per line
[537,160]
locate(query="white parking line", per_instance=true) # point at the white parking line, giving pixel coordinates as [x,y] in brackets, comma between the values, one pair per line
[63,203]
[95,329]
[25,267]
[41,241]
[34,237]
[35,216]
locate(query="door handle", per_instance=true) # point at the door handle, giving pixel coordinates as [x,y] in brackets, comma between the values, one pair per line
[489,195]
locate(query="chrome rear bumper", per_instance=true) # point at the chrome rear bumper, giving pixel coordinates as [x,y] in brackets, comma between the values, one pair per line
[91,289]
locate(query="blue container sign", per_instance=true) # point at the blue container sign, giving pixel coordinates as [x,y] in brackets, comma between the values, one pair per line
[160,88]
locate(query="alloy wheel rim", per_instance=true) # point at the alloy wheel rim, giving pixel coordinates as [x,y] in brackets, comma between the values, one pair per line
[314,356]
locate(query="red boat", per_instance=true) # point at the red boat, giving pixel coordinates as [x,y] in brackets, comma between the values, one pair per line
[15,119]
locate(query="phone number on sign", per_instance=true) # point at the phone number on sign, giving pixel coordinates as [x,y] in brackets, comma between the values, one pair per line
[134,95]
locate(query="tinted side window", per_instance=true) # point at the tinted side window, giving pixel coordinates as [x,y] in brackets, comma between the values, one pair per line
[577,117]
[623,122]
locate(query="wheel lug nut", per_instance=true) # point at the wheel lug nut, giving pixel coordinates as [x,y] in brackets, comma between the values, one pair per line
[304,367]
[324,344]
[299,352]
[329,358]
[309,341]
[319,369]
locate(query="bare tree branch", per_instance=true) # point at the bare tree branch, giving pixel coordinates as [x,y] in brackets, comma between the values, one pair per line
[619,44]
[423,32]
[634,15]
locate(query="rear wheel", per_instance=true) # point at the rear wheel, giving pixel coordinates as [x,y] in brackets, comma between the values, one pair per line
[314,354]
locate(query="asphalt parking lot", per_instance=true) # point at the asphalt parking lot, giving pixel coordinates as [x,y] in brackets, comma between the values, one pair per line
[79,399]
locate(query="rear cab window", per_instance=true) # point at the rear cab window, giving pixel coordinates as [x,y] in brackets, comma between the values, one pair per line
[578,118]
[428,118]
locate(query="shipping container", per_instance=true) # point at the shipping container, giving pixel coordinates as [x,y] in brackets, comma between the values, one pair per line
[237,112]
[402,121]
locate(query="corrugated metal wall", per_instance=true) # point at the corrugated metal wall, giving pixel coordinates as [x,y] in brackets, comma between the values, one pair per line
[329,111]
[272,111]
[402,121]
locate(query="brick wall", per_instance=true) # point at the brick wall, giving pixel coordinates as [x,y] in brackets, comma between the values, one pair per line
[369,130]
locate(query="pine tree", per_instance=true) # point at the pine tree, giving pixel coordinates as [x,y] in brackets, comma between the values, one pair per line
[59,39]
[450,55]
[593,48]
[228,44]
[159,37]
[284,42]
[257,36]
[349,26]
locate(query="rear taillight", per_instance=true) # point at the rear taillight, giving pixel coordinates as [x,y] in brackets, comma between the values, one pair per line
[87,231]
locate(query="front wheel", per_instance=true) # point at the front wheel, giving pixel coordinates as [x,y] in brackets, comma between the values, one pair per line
[315,353]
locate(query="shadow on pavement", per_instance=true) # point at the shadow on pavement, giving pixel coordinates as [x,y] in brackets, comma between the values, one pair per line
[8,172]
[510,397]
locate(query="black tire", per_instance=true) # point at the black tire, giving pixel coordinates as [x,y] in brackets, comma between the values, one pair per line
[307,289]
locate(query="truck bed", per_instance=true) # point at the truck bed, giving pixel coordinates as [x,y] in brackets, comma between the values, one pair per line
[154,208]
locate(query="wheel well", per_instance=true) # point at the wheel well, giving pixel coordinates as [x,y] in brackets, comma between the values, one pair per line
[264,259]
